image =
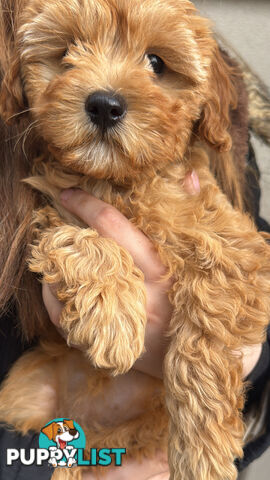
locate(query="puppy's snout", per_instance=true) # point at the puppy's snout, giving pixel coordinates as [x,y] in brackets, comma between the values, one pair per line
[105,109]
[73,431]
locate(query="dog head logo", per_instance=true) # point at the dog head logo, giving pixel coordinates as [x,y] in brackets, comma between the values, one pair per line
[61,432]
[62,437]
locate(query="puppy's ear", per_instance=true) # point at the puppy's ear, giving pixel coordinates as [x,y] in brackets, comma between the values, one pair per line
[70,424]
[11,93]
[215,117]
[49,431]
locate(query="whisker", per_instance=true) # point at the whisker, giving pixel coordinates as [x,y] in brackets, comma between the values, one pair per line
[30,109]
[25,134]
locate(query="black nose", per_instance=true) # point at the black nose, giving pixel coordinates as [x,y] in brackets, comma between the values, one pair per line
[105,109]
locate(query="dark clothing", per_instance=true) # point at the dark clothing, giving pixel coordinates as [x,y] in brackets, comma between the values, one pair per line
[259,378]
[17,471]
[11,348]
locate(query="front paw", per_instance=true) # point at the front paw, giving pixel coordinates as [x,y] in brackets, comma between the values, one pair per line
[102,291]
[107,323]
[118,348]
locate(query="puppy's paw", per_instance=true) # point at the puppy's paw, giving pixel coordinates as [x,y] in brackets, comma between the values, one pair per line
[106,315]
[102,291]
[52,462]
[119,345]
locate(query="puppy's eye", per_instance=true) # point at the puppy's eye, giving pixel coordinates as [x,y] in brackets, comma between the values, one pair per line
[59,430]
[156,63]
[65,61]
[65,53]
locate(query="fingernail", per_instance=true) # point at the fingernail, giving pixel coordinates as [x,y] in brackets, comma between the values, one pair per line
[195,181]
[65,195]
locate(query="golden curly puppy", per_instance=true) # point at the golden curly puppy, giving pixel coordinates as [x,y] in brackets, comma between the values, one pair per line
[123,98]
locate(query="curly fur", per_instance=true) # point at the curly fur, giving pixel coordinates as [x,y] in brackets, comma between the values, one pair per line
[57,54]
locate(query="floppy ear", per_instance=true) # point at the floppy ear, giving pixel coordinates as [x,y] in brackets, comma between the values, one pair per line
[70,424]
[11,92]
[215,117]
[48,431]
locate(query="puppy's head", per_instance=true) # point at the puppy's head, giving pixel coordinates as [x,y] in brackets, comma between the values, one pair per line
[114,87]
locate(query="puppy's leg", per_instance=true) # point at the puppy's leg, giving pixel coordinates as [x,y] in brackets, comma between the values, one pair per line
[29,396]
[101,289]
[219,308]
[204,397]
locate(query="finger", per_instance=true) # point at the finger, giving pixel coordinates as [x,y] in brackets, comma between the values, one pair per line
[251,357]
[110,223]
[52,304]
[53,307]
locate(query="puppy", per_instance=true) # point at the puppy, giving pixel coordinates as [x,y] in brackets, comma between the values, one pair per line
[123,98]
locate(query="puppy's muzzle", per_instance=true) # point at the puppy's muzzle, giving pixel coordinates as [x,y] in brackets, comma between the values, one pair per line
[105,109]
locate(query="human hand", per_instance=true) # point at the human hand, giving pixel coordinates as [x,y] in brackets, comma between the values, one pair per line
[250,357]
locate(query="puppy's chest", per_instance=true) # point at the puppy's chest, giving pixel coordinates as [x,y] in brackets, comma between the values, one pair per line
[158,207]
